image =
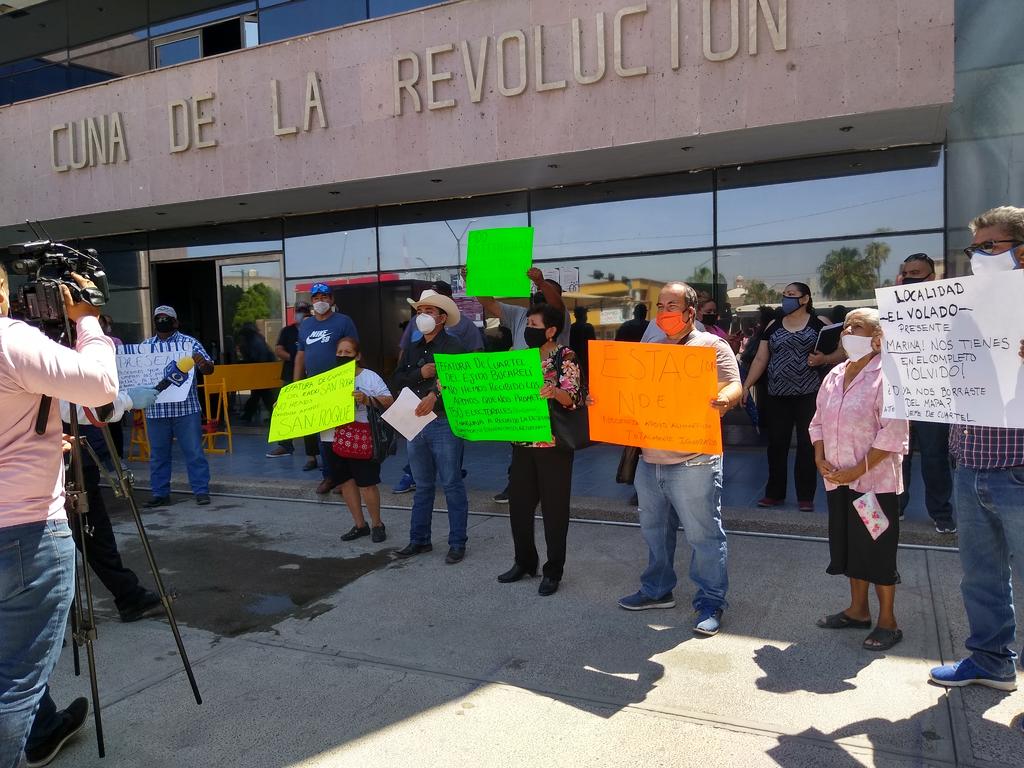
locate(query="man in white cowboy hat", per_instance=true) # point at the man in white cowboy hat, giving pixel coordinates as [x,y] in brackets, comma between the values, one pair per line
[435,452]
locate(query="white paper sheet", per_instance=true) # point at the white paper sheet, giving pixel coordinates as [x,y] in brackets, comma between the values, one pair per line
[402,415]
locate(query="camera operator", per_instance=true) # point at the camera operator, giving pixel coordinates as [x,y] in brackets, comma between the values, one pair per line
[37,560]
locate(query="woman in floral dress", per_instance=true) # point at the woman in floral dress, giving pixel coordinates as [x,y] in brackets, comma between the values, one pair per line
[542,472]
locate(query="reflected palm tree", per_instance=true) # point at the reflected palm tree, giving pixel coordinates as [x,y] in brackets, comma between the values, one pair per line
[846,274]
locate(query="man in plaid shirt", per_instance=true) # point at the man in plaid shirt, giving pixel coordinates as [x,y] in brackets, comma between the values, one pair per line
[166,421]
[989,490]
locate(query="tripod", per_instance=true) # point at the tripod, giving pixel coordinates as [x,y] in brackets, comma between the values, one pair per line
[83,621]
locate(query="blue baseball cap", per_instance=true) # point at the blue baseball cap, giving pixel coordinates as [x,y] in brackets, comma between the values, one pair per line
[319,288]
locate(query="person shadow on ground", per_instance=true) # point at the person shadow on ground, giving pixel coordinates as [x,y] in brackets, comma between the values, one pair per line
[818,666]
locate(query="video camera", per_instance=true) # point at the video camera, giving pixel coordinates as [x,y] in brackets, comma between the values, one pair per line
[49,266]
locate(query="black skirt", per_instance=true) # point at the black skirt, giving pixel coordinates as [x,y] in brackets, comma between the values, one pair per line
[854,553]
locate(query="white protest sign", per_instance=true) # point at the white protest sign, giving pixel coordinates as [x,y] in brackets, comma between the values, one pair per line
[402,415]
[142,365]
[950,350]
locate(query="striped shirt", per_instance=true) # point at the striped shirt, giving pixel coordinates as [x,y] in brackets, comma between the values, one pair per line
[190,404]
[986,447]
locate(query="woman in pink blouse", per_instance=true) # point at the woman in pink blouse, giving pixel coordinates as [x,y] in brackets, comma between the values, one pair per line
[542,472]
[859,455]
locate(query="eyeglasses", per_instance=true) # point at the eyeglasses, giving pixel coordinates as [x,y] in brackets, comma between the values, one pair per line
[988,246]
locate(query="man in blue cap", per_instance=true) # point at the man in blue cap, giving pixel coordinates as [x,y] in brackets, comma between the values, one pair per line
[315,354]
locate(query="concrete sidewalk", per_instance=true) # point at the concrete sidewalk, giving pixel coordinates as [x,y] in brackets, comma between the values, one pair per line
[312,652]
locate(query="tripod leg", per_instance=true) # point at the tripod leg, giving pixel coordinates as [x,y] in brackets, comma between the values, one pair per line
[126,487]
[74,634]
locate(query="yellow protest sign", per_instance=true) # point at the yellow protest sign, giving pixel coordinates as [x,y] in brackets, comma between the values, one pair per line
[311,405]
[654,396]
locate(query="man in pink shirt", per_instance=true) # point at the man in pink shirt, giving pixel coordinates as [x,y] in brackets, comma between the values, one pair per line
[36,550]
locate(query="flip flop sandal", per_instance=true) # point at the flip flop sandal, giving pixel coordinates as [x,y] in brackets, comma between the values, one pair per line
[842,621]
[885,639]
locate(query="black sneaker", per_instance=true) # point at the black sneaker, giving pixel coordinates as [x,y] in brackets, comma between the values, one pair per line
[355,532]
[72,720]
[946,528]
[202,499]
[414,549]
[158,501]
[378,534]
[501,498]
[148,605]
[454,556]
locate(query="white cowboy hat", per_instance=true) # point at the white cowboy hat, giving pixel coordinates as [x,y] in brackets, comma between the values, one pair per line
[431,298]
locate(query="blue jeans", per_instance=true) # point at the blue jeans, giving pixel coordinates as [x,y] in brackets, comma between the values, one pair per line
[932,440]
[690,494]
[188,430]
[990,520]
[436,452]
[37,575]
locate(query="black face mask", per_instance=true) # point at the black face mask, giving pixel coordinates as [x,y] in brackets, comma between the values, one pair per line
[710,319]
[912,280]
[343,359]
[535,337]
[164,324]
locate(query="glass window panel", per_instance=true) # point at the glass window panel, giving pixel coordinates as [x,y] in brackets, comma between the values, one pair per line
[234,239]
[611,289]
[386,7]
[831,196]
[340,250]
[661,214]
[42,29]
[99,21]
[842,272]
[107,63]
[178,51]
[305,16]
[251,31]
[39,82]
[431,235]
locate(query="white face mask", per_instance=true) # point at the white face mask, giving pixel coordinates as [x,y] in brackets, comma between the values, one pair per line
[321,307]
[856,347]
[426,324]
[986,264]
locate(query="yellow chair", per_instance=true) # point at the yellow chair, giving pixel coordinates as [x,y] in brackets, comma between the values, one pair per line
[232,378]
[139,439]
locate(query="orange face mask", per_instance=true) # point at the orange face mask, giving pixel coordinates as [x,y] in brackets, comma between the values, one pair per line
[672,323]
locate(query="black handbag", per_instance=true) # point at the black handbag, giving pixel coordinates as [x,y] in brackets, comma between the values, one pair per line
[571,428]
[385,438]
[626,473]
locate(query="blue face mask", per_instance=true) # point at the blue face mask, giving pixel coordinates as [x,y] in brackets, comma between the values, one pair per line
[790,304]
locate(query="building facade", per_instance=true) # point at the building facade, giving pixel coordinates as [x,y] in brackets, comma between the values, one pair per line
[211,150]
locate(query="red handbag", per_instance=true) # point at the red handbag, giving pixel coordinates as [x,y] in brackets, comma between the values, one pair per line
[353,441]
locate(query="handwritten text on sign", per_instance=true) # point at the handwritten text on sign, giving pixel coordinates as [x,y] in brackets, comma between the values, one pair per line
[655,396]
[142,365]
[495,395]
[950,350]
[312,405]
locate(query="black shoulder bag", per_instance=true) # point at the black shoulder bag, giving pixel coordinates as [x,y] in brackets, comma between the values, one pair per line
[571,428]
[385,438]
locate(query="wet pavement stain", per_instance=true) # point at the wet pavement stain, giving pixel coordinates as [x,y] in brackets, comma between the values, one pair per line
[229,587]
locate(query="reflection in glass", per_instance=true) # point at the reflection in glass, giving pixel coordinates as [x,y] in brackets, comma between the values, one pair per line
[304,16]
[435,234]
[839,272]
[831,196]
[178,51]
[331,253]
[251,299]
[635,216]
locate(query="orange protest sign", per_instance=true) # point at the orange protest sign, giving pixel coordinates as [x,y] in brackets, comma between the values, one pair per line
[654,396]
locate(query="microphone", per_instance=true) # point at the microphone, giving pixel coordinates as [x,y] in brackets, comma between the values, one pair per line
[176,373]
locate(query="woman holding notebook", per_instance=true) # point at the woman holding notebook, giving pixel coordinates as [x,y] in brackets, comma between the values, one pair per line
[859,454]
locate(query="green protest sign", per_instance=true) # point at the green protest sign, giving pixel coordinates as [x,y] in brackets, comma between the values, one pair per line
[497,261]
[311,405]
[495,395]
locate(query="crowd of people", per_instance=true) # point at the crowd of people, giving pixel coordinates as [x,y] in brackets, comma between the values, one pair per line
[832,400]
